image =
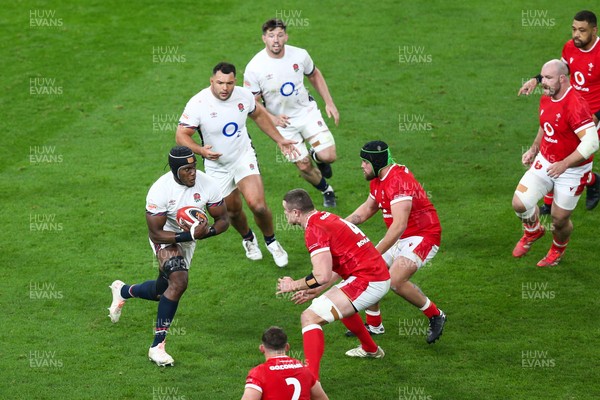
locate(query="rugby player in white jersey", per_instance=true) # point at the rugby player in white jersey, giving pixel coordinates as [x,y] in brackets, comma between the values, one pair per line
[173,245]
[276,75]
[218,113]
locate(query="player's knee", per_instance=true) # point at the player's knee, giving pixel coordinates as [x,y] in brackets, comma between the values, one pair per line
[560,222]
[235,213]
[258,207]
[517,204]
[178,283]
[304,165]
[162,284]
[327,156]
[322,309]
[526,214]
[308,318]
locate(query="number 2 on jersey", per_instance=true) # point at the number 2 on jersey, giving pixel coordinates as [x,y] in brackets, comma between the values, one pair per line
[297,387]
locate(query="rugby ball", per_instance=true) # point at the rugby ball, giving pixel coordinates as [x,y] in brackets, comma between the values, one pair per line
[187,216]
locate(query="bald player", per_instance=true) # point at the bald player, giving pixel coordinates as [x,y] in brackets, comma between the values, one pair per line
[558,160]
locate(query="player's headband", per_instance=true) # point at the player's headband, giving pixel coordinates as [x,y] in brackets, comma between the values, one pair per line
[180,156]
[377,153]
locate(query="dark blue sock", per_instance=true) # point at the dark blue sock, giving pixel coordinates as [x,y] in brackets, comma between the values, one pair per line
[146,290]
[125,292]
[321,186]
[269,239]
[249,235]
[166,311]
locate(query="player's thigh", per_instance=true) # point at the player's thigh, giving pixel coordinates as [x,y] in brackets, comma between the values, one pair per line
[418,249]
[316,133]
[164,251]
[534,184]
[222,174]
[569,186]
[362,293]
[233,201]
[245,166]
[252,188]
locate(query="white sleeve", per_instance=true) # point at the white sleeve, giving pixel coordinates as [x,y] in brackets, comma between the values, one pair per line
[250,80]
[191,114]
[589,142]
[309,65]
[155,200]
[249,97]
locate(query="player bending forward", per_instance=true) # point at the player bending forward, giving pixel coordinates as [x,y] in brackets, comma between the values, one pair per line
[337,249]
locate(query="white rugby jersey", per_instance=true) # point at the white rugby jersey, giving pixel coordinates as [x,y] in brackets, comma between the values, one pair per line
[281,81]
[222,123]
[166,196]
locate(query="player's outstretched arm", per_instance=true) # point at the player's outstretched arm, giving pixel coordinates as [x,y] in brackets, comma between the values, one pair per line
[365,211]
[528,87]
[318,81]
[322,273]
[278,120]
[262,118]
[183,137]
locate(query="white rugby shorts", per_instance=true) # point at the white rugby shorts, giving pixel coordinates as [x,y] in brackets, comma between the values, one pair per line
[310,126]
[363,293]
[187,248]
[228,175]
[418,249]
[567,187]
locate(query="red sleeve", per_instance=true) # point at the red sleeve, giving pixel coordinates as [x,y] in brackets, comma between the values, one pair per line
[401,186]
[316,238]
[565,53]
[255,379]
[579,113]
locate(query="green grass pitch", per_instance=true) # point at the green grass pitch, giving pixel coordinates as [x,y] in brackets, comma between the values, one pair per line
[91,94]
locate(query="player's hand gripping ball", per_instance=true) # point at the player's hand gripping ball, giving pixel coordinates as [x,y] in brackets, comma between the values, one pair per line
[188,216]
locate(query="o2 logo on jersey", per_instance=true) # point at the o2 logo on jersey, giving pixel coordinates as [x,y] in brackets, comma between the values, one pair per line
[579,78]
[548,129]
[287,89]
[230,129]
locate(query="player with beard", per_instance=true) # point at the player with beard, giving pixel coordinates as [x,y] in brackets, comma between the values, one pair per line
[275,75]
[559,159]
[413,236]
[219,113]
[582,55]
